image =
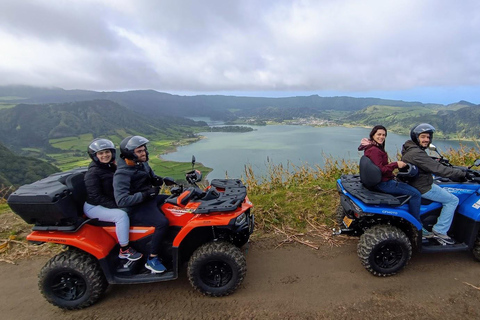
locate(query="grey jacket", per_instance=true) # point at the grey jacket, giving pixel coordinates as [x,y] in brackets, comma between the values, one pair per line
[130,181]
[412,153]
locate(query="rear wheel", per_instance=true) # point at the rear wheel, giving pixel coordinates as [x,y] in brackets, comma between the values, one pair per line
[72,280]
[217,268]
[384,250]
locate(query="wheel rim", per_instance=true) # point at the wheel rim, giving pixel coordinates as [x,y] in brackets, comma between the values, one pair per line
[389,255]
[68,286]
[216,273]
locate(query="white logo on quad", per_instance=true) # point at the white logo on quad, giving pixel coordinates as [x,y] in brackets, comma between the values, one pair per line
[390,212]
[458,191]
[476,205]
[179,213]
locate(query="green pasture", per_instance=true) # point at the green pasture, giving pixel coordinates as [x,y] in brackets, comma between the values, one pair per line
[74,154]
[79,143]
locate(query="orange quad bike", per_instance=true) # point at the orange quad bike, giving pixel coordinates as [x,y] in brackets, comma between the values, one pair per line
[207,228]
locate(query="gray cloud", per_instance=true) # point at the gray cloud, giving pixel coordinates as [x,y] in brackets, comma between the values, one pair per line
[215,45]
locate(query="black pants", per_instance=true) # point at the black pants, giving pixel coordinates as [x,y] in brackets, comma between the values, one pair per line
[148,213]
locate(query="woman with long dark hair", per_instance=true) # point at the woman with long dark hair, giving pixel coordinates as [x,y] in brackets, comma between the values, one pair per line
[374,149]
[100,202]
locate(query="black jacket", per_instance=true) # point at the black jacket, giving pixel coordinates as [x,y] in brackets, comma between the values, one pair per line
[99,184]
[427,166]
[129,182]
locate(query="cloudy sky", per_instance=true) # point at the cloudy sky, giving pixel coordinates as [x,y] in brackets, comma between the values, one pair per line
[412,50]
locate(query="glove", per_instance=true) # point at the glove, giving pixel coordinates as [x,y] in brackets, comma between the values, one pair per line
[157,181]
[151,193]
[470,175]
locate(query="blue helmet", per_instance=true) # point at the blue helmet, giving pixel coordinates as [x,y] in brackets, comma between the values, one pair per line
[409,171]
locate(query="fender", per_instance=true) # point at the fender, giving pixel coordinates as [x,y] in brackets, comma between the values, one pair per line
[203,220]
[91,239]
[399,212]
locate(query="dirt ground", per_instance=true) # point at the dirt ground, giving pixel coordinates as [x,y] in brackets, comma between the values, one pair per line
[288,282]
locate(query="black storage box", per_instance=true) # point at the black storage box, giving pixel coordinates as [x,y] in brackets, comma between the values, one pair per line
[55,200]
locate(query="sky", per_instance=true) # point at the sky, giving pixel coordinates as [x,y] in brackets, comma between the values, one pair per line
[427,51]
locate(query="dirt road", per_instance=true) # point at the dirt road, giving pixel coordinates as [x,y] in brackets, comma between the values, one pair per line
[288,282]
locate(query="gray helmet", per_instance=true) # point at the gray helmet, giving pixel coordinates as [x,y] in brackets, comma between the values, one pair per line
[128,146]
[100,144]
[421,128]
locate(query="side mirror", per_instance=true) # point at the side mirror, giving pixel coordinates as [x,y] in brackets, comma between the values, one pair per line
[432,147]
[476,163]
[168,181]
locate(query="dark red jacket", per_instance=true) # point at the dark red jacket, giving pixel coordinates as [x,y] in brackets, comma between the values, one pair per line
[380,158]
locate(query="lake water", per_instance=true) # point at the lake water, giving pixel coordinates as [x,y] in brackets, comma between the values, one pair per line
[228,153]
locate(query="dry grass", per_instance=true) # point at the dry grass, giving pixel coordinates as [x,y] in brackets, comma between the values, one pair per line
[13,244]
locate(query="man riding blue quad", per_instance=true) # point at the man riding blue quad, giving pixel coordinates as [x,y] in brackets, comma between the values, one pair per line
[413,151]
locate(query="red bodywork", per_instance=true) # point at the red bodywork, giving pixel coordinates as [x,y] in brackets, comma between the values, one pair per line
[99,241]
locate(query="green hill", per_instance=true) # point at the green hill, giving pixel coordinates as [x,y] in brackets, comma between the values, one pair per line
[460,120]
[16,170]
[34,126]
[158,104]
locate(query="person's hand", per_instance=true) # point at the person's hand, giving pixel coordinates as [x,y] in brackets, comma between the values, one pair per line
[469,175]
[157,181]
[151,193]
[401,164]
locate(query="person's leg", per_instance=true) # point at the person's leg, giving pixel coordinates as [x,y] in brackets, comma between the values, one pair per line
[122,228]
[118,216]
[148,214]
[449,202]
[400,188]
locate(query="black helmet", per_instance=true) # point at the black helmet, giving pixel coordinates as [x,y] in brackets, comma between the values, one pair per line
[129,144]
[421,128]
[100,144]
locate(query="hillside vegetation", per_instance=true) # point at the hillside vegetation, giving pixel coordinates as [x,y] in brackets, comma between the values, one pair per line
[459,121]
[16,170]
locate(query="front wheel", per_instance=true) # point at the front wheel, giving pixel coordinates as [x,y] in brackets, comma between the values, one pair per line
[384,250]
[217,268]
[72,280]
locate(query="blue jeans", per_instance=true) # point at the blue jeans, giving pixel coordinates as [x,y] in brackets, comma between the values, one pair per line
[120,217]
[400,188]
[449,202]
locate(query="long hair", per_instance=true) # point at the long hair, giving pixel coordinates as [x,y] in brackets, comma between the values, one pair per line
[374,130]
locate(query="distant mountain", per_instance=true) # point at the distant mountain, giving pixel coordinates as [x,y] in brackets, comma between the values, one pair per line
[158,104]
[32,126]
[397,115]
[17,170]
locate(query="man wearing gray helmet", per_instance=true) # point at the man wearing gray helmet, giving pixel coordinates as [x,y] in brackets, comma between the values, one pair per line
[136,188]
[413,151]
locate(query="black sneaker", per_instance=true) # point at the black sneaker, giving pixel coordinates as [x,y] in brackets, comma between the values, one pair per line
[443,239]
[130,254]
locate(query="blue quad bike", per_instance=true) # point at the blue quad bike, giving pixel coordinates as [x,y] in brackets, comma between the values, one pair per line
[388,233]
